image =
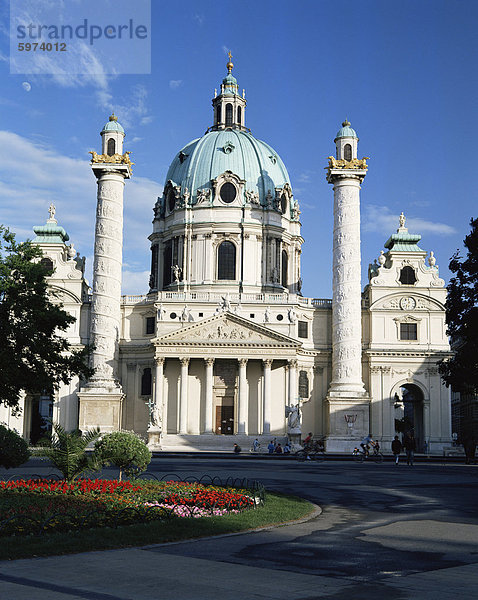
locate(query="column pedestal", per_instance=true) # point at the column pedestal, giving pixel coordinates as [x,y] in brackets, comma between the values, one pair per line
[103,410]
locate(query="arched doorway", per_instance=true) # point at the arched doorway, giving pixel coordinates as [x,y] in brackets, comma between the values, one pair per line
[409,413]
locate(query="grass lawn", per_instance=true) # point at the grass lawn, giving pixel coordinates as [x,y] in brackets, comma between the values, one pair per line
[277,509]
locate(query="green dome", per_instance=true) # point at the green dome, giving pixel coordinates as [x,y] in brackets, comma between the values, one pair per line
[346,131]
[206,158]
[113,125]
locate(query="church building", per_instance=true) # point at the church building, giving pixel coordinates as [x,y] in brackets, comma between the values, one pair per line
[224,347]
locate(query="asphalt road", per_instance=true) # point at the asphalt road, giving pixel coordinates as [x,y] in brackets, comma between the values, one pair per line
[386,532]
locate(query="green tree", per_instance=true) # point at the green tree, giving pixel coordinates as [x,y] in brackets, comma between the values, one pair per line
[461,371]
[67,451]
[34,356]
[124,450]
[13,448]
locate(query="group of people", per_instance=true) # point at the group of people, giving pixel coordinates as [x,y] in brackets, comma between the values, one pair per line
[275,447]
[409,445]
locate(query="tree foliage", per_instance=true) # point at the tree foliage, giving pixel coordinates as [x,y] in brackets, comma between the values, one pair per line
[461,371]
[13,448]
[124,450]
[67,451]
[34,355]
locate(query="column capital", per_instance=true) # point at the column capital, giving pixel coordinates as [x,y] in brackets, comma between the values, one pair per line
[243,362]
[209,361]
[293,362]
[184,360]
[267,362]
[159,361]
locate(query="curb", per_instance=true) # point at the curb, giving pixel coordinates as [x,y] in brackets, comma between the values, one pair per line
[316,512]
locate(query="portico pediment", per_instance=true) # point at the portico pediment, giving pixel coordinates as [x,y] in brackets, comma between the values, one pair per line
[227,329]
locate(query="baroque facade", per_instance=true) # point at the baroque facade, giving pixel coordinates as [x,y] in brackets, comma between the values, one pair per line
[224,344]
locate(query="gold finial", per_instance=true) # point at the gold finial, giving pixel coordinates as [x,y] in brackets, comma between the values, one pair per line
[113,117]
[346,123]
[229,65]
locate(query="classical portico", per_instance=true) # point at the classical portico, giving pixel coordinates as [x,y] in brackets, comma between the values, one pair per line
[219,377]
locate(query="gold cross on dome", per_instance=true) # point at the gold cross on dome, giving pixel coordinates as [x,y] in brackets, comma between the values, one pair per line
[230,55]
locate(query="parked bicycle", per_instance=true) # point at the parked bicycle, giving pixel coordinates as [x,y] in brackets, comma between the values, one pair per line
[373,454]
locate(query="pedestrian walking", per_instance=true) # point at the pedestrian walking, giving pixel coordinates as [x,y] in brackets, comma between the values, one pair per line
[396,449]
[271,447]
[410,446]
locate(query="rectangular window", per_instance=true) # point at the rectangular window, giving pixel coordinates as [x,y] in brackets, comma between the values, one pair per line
[408,331]
[303,329]
[150,325]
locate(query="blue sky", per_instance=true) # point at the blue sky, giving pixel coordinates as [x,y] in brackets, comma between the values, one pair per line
[404,73]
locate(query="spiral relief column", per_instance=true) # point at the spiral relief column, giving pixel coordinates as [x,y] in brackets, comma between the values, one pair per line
[101,399]
[347,400]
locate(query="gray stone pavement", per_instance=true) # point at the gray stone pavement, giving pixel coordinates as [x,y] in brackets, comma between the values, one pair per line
[384,534]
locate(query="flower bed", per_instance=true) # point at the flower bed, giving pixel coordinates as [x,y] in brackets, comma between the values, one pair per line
[38,506]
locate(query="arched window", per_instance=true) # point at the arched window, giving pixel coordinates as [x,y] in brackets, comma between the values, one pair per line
[283,204]
[167,264]
[228,114]
[171,200]
[218,114]
[284,268]
[146,382]
[111,147]
[226,261]
[407,276]
[303,384]
[348,152]
[228,192]
[239,115]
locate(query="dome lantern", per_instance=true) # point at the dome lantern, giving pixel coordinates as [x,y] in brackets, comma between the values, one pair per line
[112,136]
[346,142]
[229,106]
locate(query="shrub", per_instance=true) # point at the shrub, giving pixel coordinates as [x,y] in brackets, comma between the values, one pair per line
[124,450]
[67,451]
[13,448]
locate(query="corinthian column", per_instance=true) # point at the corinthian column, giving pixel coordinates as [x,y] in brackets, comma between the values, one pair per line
[183,400]
[267,364]
[243,397]
[209,395]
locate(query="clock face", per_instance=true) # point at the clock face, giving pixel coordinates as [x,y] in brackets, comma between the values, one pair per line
[407,303]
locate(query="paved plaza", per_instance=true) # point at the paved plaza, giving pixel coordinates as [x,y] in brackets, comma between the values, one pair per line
[383,532]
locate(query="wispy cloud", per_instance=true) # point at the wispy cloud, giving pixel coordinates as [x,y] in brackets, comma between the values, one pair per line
[175,83]
[68,183]
[199,19]
[380,218]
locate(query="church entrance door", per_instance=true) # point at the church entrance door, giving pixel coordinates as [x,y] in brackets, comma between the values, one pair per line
[225,420]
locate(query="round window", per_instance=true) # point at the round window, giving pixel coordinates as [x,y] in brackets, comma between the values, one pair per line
[280,317]
[171,200]
[228,192]
[173,315]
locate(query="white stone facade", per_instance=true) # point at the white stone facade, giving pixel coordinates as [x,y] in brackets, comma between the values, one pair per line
[223,343]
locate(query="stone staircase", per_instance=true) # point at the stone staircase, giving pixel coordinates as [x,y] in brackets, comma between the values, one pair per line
[216,443]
